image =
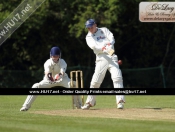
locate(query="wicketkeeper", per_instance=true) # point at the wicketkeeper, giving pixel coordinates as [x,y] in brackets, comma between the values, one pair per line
[55,75]
[101,41]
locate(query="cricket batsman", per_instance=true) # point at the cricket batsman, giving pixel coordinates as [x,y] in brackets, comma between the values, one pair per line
[101,41]
[55,75]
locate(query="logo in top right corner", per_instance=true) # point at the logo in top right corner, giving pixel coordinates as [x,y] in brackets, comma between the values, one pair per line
[157,11]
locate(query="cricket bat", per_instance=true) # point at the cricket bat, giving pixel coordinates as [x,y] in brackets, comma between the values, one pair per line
[111,52]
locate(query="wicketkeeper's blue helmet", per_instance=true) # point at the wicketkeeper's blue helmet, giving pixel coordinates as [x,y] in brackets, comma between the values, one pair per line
[55,51]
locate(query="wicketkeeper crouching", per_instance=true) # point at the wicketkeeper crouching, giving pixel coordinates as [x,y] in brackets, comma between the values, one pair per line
[55,75]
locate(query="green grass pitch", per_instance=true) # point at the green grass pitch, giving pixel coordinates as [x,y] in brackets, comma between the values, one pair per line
[55,114]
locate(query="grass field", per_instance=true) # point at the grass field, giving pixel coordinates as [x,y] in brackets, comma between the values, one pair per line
[55,114]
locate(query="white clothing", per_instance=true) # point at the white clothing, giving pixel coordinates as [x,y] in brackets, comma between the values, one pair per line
[104,62]
[51,67]
[99,39]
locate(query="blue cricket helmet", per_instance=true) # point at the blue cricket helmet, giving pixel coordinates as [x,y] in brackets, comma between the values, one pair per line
[89,23]
[55,51]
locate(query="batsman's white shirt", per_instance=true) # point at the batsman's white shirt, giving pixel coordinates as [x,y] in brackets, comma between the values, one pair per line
[99,39]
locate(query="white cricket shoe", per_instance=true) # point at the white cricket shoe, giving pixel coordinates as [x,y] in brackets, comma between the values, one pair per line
[85,107]
[23,109]
[120,105]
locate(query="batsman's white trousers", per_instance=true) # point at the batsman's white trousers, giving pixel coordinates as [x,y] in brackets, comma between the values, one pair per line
[103,63]
[46,84]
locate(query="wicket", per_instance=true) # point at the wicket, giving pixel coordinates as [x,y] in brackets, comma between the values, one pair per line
[77,86]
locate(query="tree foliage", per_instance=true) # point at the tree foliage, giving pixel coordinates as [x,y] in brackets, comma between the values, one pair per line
[61,23]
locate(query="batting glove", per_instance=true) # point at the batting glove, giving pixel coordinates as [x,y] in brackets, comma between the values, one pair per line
[106,48]
[49,75]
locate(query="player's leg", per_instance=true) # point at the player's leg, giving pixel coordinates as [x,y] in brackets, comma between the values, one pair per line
[31,98]
[90,102]
[98,76]
[27,104]
[117,79]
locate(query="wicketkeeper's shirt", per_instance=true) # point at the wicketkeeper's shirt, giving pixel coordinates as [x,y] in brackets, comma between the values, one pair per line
[51,67]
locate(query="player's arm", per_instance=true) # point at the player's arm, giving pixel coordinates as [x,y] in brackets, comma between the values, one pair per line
[109,49]
[47,72]
[63,66]
[92,44]
[109,36]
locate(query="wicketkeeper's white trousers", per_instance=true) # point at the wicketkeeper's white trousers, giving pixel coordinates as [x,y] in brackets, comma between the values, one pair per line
[46,84]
